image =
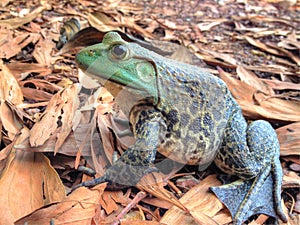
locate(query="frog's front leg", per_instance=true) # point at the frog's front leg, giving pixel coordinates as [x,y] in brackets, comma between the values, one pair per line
[252,152]
[136,160]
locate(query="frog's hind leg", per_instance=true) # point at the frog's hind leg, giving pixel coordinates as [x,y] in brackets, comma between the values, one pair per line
[245,198]
[250,202]
[277,177]
[252,153]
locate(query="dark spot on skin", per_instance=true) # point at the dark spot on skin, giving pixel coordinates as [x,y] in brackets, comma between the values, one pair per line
[201,145]
[177,133]
[194,106]
[195,125]
[132,157]
[222,151]
[207,119]
[172,119]
[184,119]
[143,113]
[169,143]
[229,162]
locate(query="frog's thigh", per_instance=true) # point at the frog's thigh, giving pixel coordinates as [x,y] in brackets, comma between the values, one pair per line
[247,150]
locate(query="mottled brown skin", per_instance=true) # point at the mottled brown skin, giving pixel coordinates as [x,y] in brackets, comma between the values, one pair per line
[183,112]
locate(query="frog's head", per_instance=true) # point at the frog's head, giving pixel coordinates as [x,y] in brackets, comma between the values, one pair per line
[115,62]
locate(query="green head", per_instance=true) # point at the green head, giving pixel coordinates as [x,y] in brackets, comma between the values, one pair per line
[117,63]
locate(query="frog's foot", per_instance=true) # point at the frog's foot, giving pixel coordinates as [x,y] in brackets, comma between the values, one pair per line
[245,198]
[119,176]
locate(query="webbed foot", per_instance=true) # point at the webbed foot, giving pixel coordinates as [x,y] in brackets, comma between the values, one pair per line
[244,198]
[119,176]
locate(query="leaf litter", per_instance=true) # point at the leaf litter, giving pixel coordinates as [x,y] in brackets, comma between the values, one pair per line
[48,107]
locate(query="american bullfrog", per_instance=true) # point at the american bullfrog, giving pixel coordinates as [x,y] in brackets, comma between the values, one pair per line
[186,114]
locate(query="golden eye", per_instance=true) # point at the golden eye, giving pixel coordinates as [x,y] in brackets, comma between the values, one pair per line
[119,51]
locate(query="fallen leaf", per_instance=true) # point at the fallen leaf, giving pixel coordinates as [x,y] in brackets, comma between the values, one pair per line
[281,85]
[9,120]
[152,183]
[9,87]
[262,106]
[250,78]
[19,21]
[12,46]
[28,177]
[102,22]
[139,222]
[81,207]
[262,46]
[42,52]
[207,25]
[202,210]
[57,118]
[289,139]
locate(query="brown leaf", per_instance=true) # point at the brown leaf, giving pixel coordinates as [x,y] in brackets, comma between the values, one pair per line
[290,179]
[19,21]
[57,118]
[42,52]
[81,207]
[9,87]
[152,183]
[139,222]
[201,204]
[281,85]
[207,25]
[28,177]
[13,46]
[250,78]
[261,107]
[22,70]
[262,46]
[40,84]
[9,120]
[102,22]
[36,95]
[289,139]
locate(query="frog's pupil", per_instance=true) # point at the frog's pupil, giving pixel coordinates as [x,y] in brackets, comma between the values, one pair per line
[119,50]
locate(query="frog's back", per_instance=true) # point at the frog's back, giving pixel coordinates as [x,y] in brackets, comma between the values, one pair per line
[196,106]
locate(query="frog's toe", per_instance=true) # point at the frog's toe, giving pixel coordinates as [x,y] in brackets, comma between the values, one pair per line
[91,183]
[233,196]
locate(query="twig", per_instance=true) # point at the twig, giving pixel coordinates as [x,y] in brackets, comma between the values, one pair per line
[141,195]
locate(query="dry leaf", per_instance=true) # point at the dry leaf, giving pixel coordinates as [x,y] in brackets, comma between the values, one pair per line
[81,207]
[207,25]
[152,183]
[139,222]
[251,79]
[262,46]
[9,120]
[289,139]
[28,177]
[42,52]
[281,85]
[9,87]
[57,118]
[262,107]
[22,70]
[36,95]
[102,22]
[17,22]
[200,202]
[12,46]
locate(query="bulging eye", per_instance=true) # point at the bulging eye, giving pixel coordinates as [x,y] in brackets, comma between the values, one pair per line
[119,51]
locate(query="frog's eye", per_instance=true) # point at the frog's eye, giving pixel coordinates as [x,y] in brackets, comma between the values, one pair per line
[119,51]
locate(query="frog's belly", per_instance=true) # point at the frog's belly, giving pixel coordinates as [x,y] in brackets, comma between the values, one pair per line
[189,152]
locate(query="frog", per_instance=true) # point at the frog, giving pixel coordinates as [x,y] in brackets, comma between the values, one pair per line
[186,114]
